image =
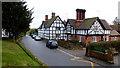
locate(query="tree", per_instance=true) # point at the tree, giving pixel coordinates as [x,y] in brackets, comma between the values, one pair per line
[116,21]
[16,18]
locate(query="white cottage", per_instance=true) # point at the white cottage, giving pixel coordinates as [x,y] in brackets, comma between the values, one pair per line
[53,28]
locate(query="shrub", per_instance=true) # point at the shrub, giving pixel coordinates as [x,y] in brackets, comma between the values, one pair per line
[97,47]
[102,46]
[74,40]
[69,45]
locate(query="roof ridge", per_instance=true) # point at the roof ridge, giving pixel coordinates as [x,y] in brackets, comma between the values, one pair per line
[92,18]
[51,18]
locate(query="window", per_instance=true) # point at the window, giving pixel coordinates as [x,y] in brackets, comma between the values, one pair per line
[94,39]
[57,36]
[107,38]
[80,39]
[57,28]
[103,38]
[115,38]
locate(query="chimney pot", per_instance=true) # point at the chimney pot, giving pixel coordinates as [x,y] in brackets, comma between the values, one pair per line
[80,14]
[53,14]
[46,17]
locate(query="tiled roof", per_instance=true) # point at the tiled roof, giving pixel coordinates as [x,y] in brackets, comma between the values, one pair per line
[48,23]
[114,32]
[115,27]
[86,23]
[72,22]
[105,24]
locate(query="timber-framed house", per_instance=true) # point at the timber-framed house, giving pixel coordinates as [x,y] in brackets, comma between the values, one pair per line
[53,28]
[87,30]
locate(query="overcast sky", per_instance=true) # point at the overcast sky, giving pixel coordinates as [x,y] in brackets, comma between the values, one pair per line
[104,9]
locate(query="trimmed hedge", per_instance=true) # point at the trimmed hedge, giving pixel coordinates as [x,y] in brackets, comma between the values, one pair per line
[103,46]
[74,40]
[69,45]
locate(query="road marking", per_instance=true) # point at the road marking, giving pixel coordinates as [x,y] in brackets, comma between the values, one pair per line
[87,62]
[76,58]
[67,53]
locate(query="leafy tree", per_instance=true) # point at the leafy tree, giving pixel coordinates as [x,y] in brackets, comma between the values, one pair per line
[16,18]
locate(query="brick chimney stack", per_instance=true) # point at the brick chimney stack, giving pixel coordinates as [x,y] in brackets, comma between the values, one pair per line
[80,14]
[46,17]
[53,14]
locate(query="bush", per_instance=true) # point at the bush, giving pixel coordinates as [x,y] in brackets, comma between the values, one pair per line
[74,40]
[97,46]
[69,45]
[102,46]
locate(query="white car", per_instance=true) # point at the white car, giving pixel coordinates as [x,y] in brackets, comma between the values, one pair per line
[37,38]
[33,36]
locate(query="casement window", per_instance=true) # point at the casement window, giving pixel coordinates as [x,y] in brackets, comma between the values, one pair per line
[103,38]
[115,38]
[57,36]
[57,28]
[94,39]
[80,39]
[107,38]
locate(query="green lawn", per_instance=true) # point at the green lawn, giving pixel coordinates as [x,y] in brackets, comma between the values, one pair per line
[13,55]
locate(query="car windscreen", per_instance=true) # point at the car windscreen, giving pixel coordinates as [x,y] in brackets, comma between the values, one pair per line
[37,37]
[54,42]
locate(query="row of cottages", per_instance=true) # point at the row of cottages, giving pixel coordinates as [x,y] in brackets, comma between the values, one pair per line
[115,33]
[85,30]
[53,28]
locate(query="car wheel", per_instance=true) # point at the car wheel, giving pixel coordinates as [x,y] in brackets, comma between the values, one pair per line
[46,45]
[50,47]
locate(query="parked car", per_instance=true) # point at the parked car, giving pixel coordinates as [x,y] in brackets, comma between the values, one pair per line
[33,36]
[52,44]
[37,38]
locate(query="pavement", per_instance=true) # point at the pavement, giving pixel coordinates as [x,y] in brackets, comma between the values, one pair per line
[81,53]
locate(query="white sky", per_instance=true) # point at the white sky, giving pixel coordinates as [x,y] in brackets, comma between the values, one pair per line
[104,9]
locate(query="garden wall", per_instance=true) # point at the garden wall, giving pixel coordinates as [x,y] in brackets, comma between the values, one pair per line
[100,55]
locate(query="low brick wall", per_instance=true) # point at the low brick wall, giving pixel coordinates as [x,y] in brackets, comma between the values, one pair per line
[102,56]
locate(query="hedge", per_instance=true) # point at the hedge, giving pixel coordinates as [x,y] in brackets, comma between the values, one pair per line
[103,46]
[74,40]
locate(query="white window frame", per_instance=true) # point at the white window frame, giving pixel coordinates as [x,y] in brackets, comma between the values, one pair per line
[115,38]
[80,39]
[94,39]
[107,38]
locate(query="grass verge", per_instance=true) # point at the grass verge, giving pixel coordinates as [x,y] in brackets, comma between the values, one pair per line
[32,56]
[14,55]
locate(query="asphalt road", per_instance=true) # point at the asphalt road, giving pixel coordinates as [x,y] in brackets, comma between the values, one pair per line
[54,57]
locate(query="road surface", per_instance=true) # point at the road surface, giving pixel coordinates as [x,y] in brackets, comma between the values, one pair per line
[54,57]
